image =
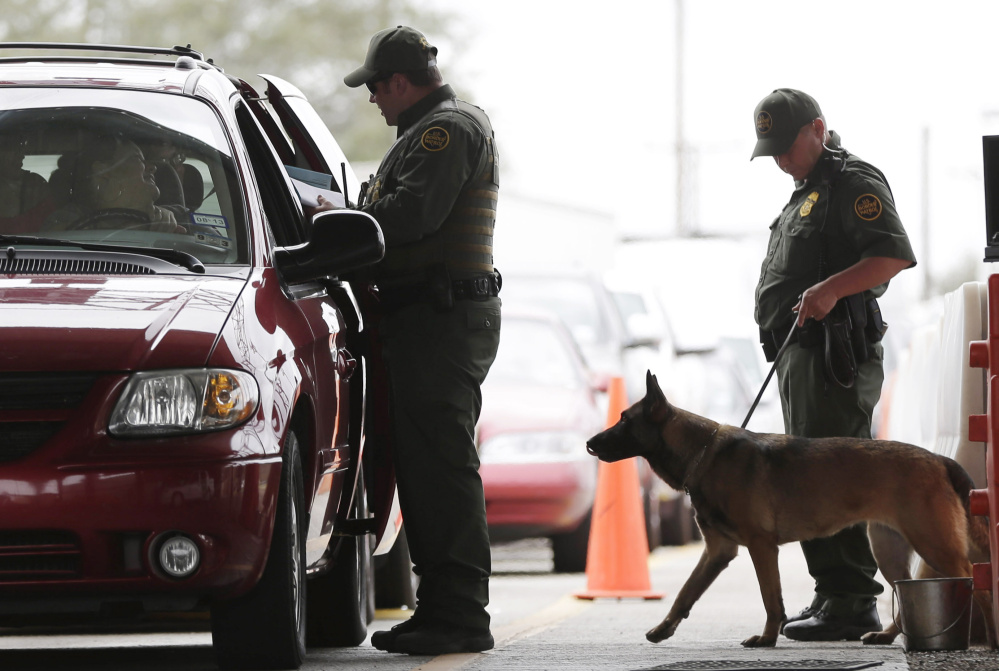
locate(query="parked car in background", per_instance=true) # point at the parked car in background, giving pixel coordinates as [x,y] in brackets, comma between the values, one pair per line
[539,408]
[725,381]
[647,324]
[584,302]
[181,403]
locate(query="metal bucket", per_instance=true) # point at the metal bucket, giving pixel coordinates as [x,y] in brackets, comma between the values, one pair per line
[936,613]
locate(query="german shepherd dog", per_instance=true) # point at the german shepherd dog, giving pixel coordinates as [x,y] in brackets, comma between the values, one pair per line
[763,490]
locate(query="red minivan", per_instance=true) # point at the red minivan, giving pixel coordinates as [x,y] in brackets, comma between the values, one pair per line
[182,386]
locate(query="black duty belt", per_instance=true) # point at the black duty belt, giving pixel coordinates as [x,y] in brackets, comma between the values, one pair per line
[476,288]
[480,288]
[809,335]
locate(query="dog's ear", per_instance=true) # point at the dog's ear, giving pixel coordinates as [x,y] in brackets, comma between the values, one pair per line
[655,404]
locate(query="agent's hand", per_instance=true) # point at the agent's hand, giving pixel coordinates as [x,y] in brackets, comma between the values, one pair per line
[323,206]
[815,303]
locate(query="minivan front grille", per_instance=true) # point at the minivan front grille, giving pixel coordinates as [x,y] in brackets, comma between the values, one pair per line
[43,391]
[34,393]
[19,439]
[38,555]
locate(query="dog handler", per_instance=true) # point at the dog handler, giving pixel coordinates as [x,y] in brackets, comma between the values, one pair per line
[435,196]
[839,235]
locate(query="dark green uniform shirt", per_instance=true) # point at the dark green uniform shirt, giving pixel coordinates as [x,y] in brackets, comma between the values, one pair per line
[841,213]
[441,168]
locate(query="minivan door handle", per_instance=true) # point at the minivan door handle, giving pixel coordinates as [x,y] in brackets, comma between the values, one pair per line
[345,364]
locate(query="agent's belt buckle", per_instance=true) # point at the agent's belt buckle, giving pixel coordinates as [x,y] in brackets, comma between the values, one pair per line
[480,287]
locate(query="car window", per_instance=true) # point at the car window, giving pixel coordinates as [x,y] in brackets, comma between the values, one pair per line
[133,168]
[284,214]
[629,304]
[531,351]
[315,147]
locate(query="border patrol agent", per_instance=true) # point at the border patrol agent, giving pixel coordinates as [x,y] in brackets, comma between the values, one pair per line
[435,196]
[838,236]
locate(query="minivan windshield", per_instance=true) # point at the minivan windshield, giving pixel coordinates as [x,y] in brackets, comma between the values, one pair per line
[130,168]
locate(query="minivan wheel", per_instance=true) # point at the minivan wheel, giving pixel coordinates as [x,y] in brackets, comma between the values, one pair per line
[265,628]
[395,582]
[341,602]
[569,549]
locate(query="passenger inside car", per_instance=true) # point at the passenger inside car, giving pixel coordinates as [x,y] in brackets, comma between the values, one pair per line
[24,195]
[182,188]
[112,186]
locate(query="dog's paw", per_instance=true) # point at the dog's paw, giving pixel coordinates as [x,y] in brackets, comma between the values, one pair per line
[661,632]
[760,642]
[878,638]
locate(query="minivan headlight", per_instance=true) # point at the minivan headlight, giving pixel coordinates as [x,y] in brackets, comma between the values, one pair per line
[175,402]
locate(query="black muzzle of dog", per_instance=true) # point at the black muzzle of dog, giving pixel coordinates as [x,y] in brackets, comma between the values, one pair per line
[613,444]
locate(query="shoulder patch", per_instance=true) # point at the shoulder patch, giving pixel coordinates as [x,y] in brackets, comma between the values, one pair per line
[868,207]
[435,139]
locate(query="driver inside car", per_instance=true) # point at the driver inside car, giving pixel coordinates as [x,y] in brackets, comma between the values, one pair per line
[112,187]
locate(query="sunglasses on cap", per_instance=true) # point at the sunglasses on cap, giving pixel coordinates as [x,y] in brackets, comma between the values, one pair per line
[377,78]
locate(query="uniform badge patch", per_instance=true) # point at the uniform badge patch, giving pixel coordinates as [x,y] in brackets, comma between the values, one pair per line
[764,122]
[435,139]
[374,191]
[806,207]
[868,207]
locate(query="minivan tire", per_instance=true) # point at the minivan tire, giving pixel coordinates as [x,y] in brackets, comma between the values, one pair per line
[265,628]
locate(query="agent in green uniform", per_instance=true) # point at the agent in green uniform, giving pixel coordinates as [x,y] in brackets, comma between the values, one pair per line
[434,196]
[839,235]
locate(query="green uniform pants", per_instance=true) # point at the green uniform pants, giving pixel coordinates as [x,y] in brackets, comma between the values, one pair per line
[436,362]
[842,565]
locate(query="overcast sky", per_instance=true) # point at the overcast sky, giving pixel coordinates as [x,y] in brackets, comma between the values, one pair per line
[584,101]
[583,97]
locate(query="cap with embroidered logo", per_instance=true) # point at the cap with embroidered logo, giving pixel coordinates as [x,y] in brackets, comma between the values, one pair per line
[399,49]
[778,119]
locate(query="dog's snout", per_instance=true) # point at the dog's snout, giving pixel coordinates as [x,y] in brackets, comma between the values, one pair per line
[589,448]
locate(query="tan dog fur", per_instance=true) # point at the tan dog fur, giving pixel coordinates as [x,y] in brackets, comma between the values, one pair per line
[764,490]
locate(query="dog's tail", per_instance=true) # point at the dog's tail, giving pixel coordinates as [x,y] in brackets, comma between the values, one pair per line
[960,481]
[978,527]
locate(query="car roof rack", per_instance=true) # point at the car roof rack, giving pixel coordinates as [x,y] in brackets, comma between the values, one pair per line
[103,48]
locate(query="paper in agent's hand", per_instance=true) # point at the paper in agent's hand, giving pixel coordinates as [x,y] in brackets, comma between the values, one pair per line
[311,184]
[309,195]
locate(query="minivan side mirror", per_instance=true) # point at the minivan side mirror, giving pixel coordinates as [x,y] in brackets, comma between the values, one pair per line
[342,241]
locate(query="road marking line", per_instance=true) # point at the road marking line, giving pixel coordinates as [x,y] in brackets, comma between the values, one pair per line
[394,613]
[448,662]
[525,627]
[657,559]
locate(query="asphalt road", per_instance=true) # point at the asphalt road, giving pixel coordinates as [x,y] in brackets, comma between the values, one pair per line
[538,624]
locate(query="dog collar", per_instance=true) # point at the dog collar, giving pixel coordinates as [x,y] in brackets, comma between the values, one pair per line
[700,457]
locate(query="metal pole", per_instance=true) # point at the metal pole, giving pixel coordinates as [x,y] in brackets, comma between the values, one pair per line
[925,204]
[682,225]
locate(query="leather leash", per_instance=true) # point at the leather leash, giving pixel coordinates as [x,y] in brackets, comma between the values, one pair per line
[787,341]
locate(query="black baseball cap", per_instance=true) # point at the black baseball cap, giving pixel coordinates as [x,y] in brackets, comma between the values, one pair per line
[399,49]
[778,119]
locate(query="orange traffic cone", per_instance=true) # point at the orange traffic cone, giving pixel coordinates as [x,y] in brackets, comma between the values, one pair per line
[617,555]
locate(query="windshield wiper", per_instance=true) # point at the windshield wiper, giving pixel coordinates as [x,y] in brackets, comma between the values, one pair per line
[174,256]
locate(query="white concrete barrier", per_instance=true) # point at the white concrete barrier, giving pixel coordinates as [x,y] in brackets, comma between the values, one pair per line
[962,388]
[933,390]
